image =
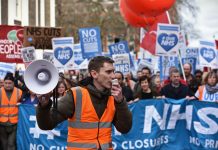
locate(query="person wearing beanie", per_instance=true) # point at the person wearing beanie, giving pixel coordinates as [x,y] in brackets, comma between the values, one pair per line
[9,97]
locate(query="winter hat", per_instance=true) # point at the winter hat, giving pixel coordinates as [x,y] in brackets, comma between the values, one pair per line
[9,76]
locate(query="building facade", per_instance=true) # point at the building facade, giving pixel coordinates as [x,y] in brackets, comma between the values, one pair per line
[28,12]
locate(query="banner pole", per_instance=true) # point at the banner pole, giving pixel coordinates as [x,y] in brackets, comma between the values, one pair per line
[180,60]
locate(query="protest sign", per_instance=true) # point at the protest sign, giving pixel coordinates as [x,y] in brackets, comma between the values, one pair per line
[121,48]
[208,54]
[48,55]
[28,54]
[79,61]
[90,40]
[165,63]
[40,37]
[122,63]
[167,39]
[190,55]
[11,42]
[63,52]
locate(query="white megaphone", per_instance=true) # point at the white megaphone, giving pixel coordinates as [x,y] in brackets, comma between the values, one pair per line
[41,76]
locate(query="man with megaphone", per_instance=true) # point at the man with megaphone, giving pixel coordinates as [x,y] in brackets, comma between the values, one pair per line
[90,108]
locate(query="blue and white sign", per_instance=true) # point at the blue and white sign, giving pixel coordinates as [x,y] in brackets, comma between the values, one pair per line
[162,124]
[6,67]
[121,48]
[79,61]
[122,63]
[208,54]
[192,61]
[190,55]
[28,54]
[90,39]
[169,124]
[63,52]
[167,42]
[30,136]
[165,63]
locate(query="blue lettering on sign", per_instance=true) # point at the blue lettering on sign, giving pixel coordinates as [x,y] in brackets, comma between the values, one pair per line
[167,42]
[192,51]
[207,54]
[118,48]
[210,97]
[89,36]
[63,55]
[122,67]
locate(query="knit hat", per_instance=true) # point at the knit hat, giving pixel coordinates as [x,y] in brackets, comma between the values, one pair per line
[9,76]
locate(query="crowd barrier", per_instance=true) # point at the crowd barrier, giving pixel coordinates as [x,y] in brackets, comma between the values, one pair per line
[165,124]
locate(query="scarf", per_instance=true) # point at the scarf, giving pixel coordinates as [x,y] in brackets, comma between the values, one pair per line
[212,89]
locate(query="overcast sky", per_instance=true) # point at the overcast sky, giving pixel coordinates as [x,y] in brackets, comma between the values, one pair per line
[207,19]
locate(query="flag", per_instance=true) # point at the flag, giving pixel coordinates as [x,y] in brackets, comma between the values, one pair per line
[149,40]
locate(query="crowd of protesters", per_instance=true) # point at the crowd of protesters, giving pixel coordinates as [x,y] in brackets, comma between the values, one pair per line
[145,85]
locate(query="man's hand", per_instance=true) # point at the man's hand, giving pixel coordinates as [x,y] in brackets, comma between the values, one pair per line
[116,91]
[44,99]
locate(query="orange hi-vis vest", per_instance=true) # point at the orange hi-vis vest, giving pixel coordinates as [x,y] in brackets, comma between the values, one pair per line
[85,129]
[9,108]
[200,90]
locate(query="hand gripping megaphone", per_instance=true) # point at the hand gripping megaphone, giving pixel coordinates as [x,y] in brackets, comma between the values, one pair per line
[41,76]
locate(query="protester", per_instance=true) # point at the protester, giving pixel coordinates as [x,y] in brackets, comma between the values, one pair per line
[167,81]
[139,74]
[90,110]
[175,90]
[1,83]
[9,97]
[30,98]
[61,88]
[146,71]
[190,79]
[126,90]
[129,81]
[156,86]
[198,77]
[137,88]
[209,91]
[145,92]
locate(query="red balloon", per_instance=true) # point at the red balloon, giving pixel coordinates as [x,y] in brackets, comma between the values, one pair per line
[149,8]
[134,19]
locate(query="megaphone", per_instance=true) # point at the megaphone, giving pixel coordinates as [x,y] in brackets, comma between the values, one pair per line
[41,76]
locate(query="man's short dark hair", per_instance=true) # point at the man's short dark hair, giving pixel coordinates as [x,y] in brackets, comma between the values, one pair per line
[174,71]
[147,68]
[97,62]
[198,71]
[143,78]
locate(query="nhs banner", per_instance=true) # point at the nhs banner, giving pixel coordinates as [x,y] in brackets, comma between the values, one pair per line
[208,54]
[30,137]
[163,124]
[121,48]
[169,124]
[90,40]
[167,42]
